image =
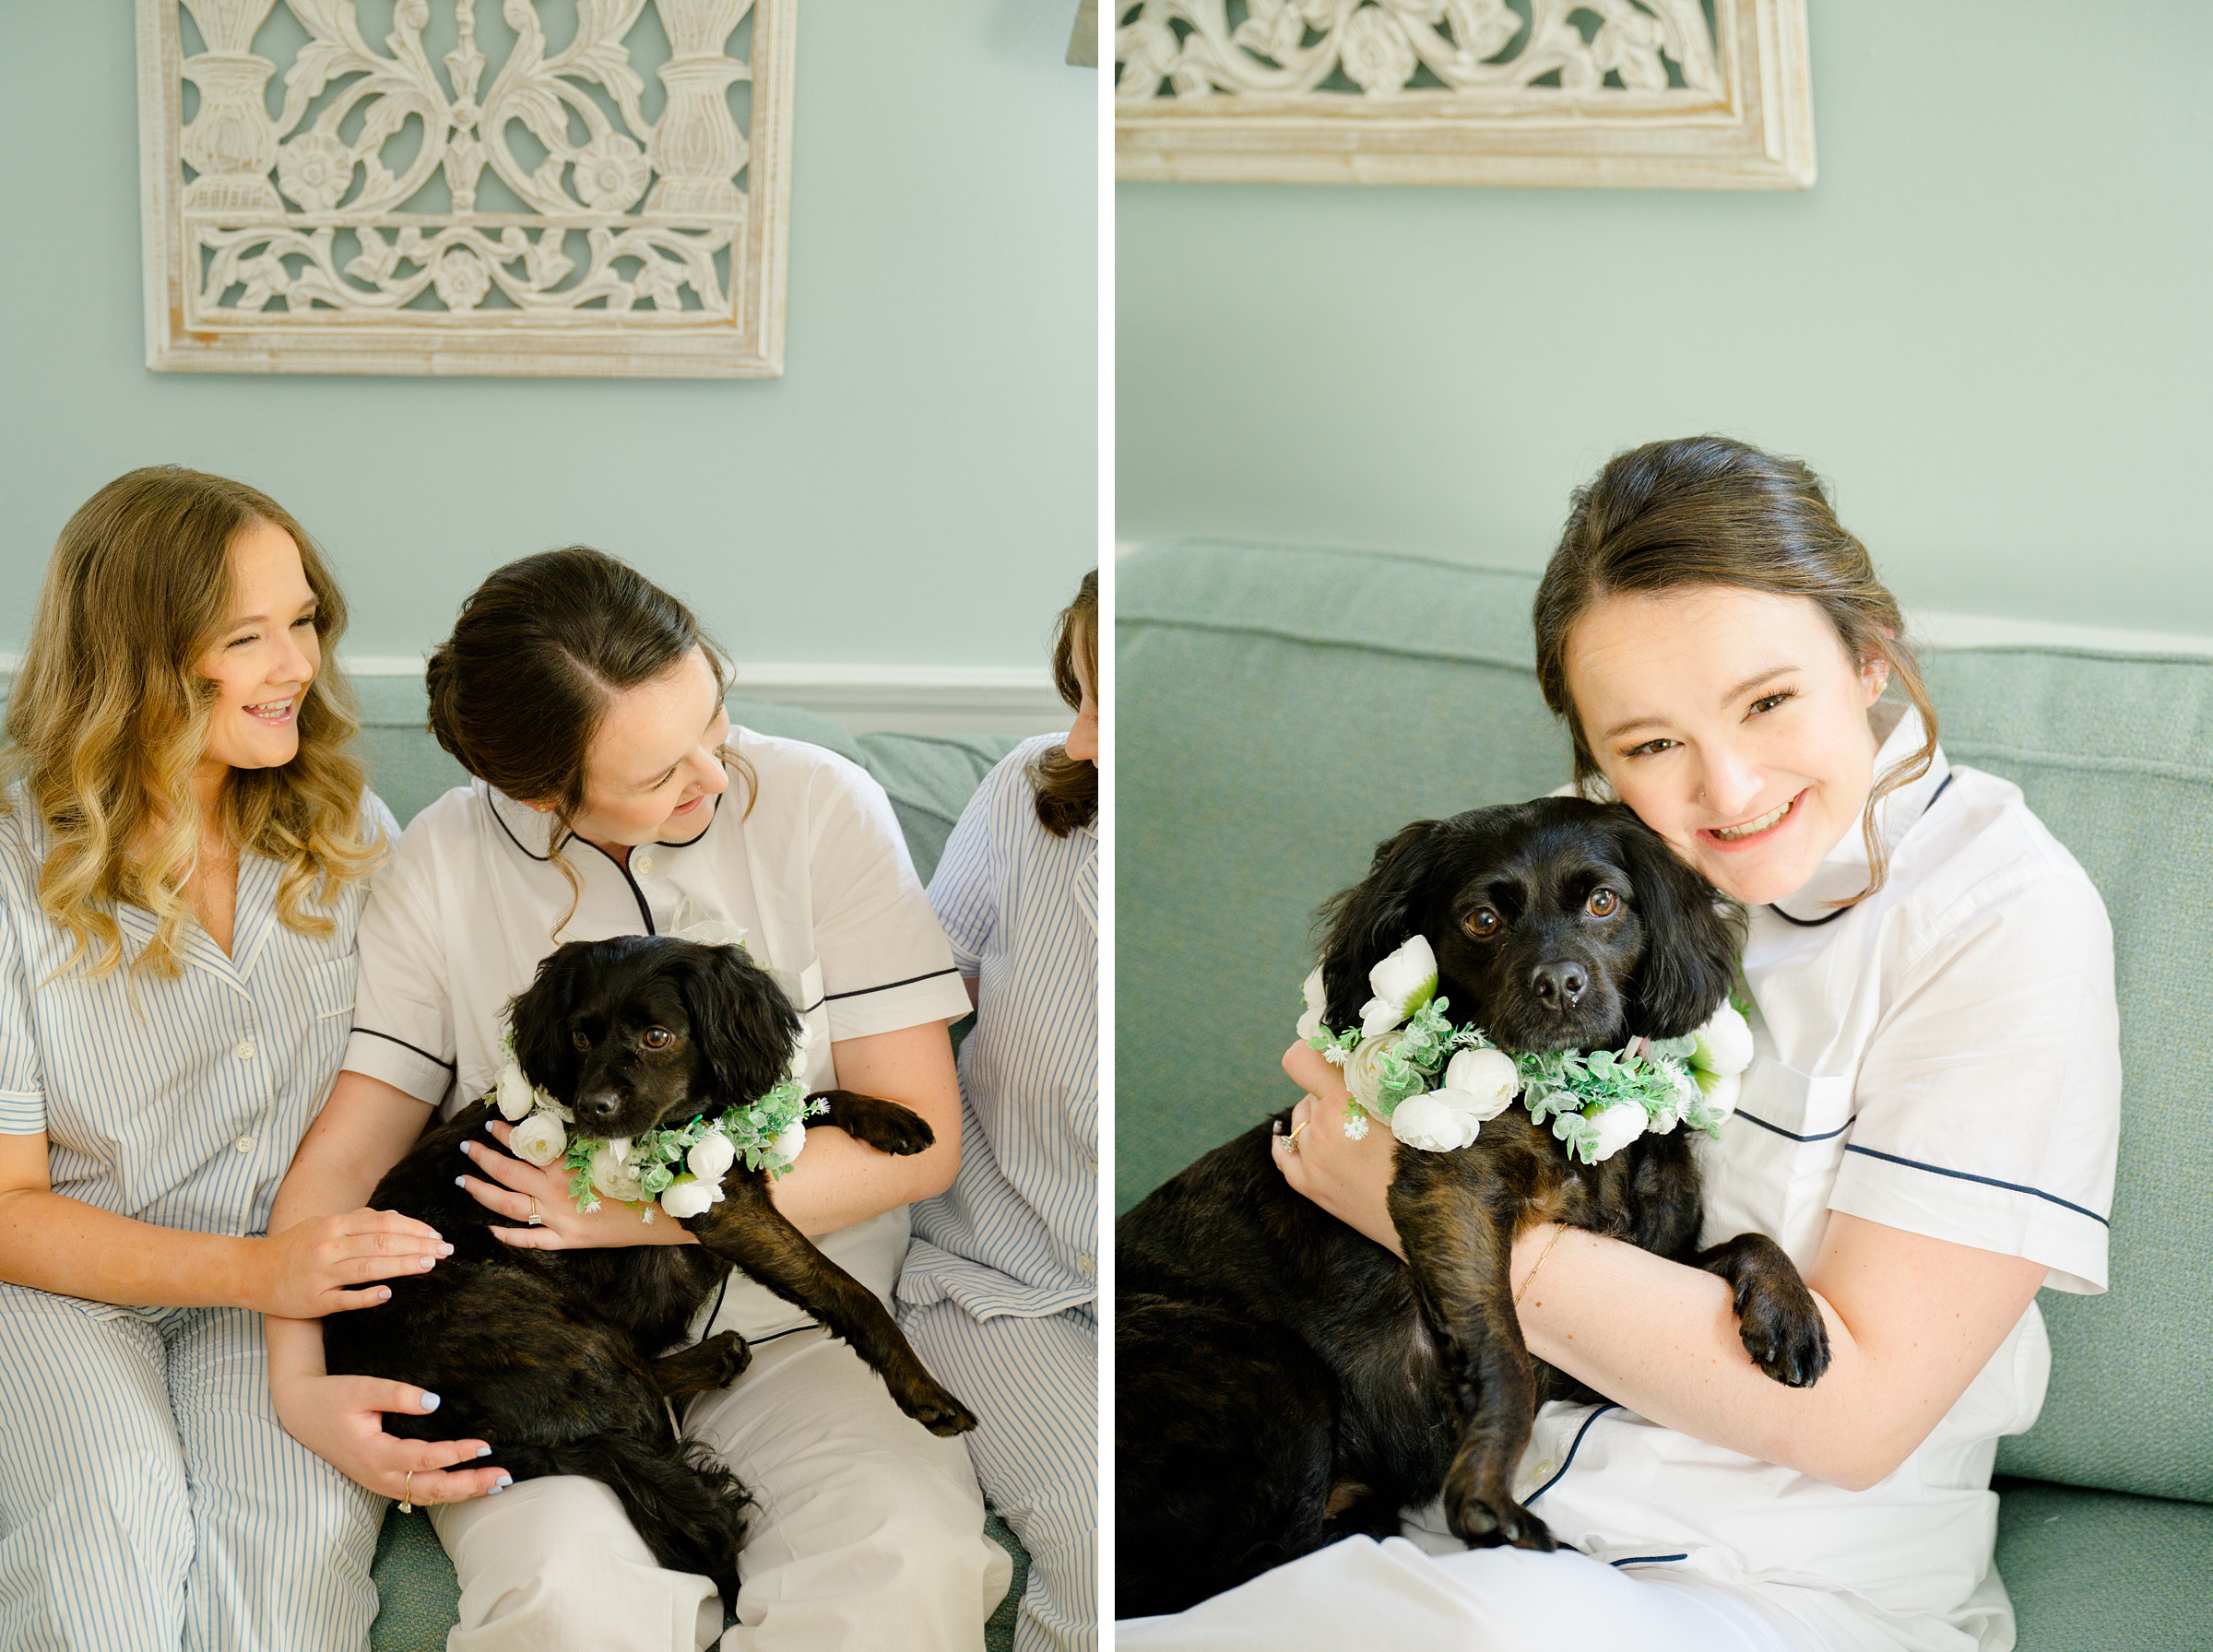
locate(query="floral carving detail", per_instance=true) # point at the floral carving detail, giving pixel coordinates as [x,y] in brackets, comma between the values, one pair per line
[1188,49]
[315,170]
[349,103]
[610,173]
[460,278]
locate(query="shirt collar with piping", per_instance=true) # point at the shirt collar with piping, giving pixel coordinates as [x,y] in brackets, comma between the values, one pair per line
[531,831]
[1842,873]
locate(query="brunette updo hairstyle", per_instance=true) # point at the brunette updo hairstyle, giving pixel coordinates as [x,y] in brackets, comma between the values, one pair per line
[541,646]
[1068,787]
[1709,510]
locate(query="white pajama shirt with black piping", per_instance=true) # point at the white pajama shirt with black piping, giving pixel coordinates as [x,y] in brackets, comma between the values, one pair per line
[149,1497]
[1942,1058]
[817,875]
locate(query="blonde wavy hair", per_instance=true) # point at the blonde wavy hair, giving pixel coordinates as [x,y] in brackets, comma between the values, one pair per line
[109,717]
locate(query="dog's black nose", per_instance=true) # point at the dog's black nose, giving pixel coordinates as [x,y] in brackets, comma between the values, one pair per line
[1559,985]
[598,1105]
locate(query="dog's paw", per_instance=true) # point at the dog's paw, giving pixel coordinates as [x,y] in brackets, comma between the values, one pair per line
[939,1412]
[1791,1348]
[732,1354]
[886,1125]
[1489,1522]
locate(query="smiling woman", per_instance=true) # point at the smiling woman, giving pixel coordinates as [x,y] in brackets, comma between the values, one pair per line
[183,846]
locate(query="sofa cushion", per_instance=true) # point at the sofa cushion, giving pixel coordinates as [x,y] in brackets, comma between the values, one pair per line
[1277,713]
[1281,711]
[2114,753]
[2100,1572]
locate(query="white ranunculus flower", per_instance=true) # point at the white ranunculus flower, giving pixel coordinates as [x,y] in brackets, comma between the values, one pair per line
[1619,1123]
[1402,983]
[611,1176]
[711,1156]
[1722,1093]
[1486,1078]
[1364,1070]
[690,1195]
[515,1093]
[1310,1022]
[540,1140]
[1431,1123]
[1724,1043]
[788,1145]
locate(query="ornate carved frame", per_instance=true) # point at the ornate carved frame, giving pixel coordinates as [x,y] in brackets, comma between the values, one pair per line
[649,248]
[1465,91]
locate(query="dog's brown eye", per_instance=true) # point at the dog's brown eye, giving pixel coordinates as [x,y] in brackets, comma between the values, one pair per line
[1602,903]
[658,1038]
[1483,922]
[580,1041]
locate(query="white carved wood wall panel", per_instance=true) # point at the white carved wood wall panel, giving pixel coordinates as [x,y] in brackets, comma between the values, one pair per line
[344,234]
[1652,93]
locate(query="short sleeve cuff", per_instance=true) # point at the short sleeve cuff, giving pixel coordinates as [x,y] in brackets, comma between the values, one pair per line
[937,997]
[2065,1235]
[22,1113]
[400,1065]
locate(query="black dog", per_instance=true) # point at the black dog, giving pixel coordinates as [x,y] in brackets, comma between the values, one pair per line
[554,1356]
[1283,1381]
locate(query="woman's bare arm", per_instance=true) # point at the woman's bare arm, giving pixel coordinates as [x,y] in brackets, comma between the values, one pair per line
[51,1242]
[1911,1319]
[837,1182]
[365,1130]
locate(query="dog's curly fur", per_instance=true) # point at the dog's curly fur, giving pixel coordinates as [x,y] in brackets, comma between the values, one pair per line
[1281,1381]
[555,1357]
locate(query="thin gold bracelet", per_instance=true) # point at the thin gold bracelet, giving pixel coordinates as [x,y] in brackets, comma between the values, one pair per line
[1557,1234]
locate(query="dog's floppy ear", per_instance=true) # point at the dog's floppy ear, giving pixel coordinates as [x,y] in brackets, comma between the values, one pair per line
[1692,934]
[743,1024]
[1367,921]
[540,1014]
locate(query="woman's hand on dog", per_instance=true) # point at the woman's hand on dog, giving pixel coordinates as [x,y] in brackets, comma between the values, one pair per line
[1349,1179]
[514,1183]
[341,1420]
[332,1263]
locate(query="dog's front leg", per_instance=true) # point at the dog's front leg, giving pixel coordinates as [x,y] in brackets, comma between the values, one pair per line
[1455,1225]
[746,1230]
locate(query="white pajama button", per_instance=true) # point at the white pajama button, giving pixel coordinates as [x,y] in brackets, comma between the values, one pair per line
[244,1049]
[643,864]
[244,1144]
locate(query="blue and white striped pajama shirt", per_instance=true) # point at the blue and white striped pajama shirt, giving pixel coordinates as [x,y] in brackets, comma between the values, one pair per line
[1000,1294]
[149,1497]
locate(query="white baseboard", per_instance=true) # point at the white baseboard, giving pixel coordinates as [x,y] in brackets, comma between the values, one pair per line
[1989,631]
[873,699]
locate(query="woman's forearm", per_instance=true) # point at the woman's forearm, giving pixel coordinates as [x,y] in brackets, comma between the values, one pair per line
[839,1181]
[1661,1339]
[51,1242]
[1910,1321]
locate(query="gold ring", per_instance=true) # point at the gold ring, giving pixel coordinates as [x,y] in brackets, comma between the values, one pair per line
[407,1493]
[537,1217]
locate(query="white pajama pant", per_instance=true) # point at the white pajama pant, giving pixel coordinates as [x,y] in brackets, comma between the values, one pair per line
[866,1532]
[149,1499]
[1363,1593]
[1033,1385]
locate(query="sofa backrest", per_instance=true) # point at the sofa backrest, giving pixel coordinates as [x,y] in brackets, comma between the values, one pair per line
[1278,712]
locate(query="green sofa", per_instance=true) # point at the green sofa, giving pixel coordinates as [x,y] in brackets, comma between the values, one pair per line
[1279,710]
[928,778]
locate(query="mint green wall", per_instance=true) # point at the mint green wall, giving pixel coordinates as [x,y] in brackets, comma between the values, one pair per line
[918,489]
[1987,323]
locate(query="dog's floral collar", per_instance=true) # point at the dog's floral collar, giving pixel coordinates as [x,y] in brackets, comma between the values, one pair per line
[680,1167]
[1436,1085]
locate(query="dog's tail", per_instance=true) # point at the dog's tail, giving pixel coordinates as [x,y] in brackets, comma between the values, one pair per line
[690,1508]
